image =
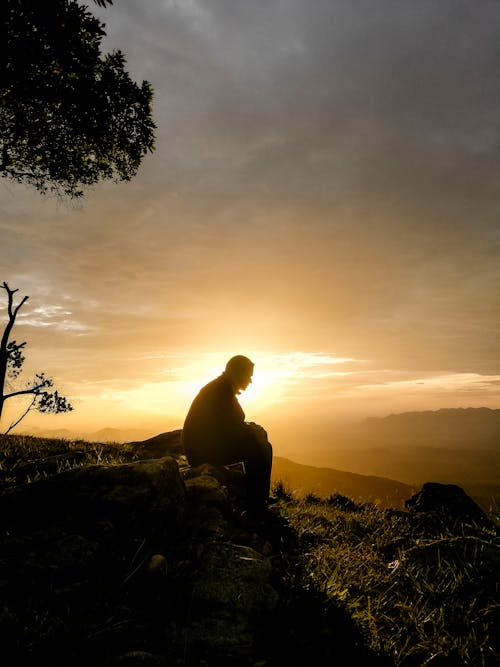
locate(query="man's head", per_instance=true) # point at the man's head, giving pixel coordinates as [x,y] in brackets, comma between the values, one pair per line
[239,370]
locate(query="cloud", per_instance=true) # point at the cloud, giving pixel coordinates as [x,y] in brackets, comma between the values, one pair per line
[457,384]
[396,98]
[55,317]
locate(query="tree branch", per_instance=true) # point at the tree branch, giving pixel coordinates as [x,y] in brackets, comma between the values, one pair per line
[31,390]
[19,305]
[12,313]
[5,158]
[17,173]
[14,424]
[13,347]
[11,292]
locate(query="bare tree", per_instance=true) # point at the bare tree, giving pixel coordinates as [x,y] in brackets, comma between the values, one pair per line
[40,389]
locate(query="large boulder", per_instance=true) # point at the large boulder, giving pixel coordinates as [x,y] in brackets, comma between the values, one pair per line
[448,503]
[164,444]
[132,495]
[85,556]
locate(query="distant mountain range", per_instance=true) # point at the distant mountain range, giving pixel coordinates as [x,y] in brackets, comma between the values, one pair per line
[455,427]
[479,427]
[101,435]
[454,446]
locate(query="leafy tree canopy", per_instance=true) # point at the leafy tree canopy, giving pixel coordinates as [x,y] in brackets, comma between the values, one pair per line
[69,116]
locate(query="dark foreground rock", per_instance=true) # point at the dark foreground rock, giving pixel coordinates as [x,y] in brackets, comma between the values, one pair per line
[154,563]
[445,506]
[128,494]
[129,565]
[163,444]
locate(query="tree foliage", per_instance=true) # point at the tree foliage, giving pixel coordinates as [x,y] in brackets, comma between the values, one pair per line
[69,116]
[39,390]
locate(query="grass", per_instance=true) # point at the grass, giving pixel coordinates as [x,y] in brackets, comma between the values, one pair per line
[419,599]
[25,459]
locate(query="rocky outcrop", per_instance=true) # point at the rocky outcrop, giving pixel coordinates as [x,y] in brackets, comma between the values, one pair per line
[132,564]
[448,504]
[130,494]
[163,444]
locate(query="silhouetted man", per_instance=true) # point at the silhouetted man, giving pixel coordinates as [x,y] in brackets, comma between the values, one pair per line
[215,431]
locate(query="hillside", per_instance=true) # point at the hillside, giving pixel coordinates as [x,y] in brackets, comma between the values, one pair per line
[120,556]
[303,479]
[457,446]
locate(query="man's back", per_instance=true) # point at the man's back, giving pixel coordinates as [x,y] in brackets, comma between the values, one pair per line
[214,430]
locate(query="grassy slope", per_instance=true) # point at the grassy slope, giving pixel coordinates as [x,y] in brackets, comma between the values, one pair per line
[304,479]
[419,598]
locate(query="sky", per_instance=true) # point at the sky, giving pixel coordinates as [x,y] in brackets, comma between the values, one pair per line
[323,198]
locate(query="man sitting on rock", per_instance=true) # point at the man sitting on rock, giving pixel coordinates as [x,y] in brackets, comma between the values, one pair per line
[215,431]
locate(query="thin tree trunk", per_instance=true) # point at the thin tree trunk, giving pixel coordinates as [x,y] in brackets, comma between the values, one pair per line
[12,313]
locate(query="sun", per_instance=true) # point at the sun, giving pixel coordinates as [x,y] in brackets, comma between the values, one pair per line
[266,380]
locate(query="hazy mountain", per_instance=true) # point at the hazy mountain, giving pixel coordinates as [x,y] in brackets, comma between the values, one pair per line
[414,465]
[477,427]
[458,446]
[101,435]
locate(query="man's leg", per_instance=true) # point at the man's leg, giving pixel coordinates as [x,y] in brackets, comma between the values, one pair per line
[258,464]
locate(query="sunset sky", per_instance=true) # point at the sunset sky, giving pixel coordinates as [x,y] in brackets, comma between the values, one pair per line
[324,197]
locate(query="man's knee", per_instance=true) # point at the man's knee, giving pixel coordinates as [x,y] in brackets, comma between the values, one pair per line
[258,431]
[268,451]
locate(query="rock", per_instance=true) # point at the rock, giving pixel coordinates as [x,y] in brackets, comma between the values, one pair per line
[230,475]
[447,502]
[158,565]
[164,444]
[208,503]
[235,577]
[132,494]
[72,553]
[91,542]
[230,591]
[204,490]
